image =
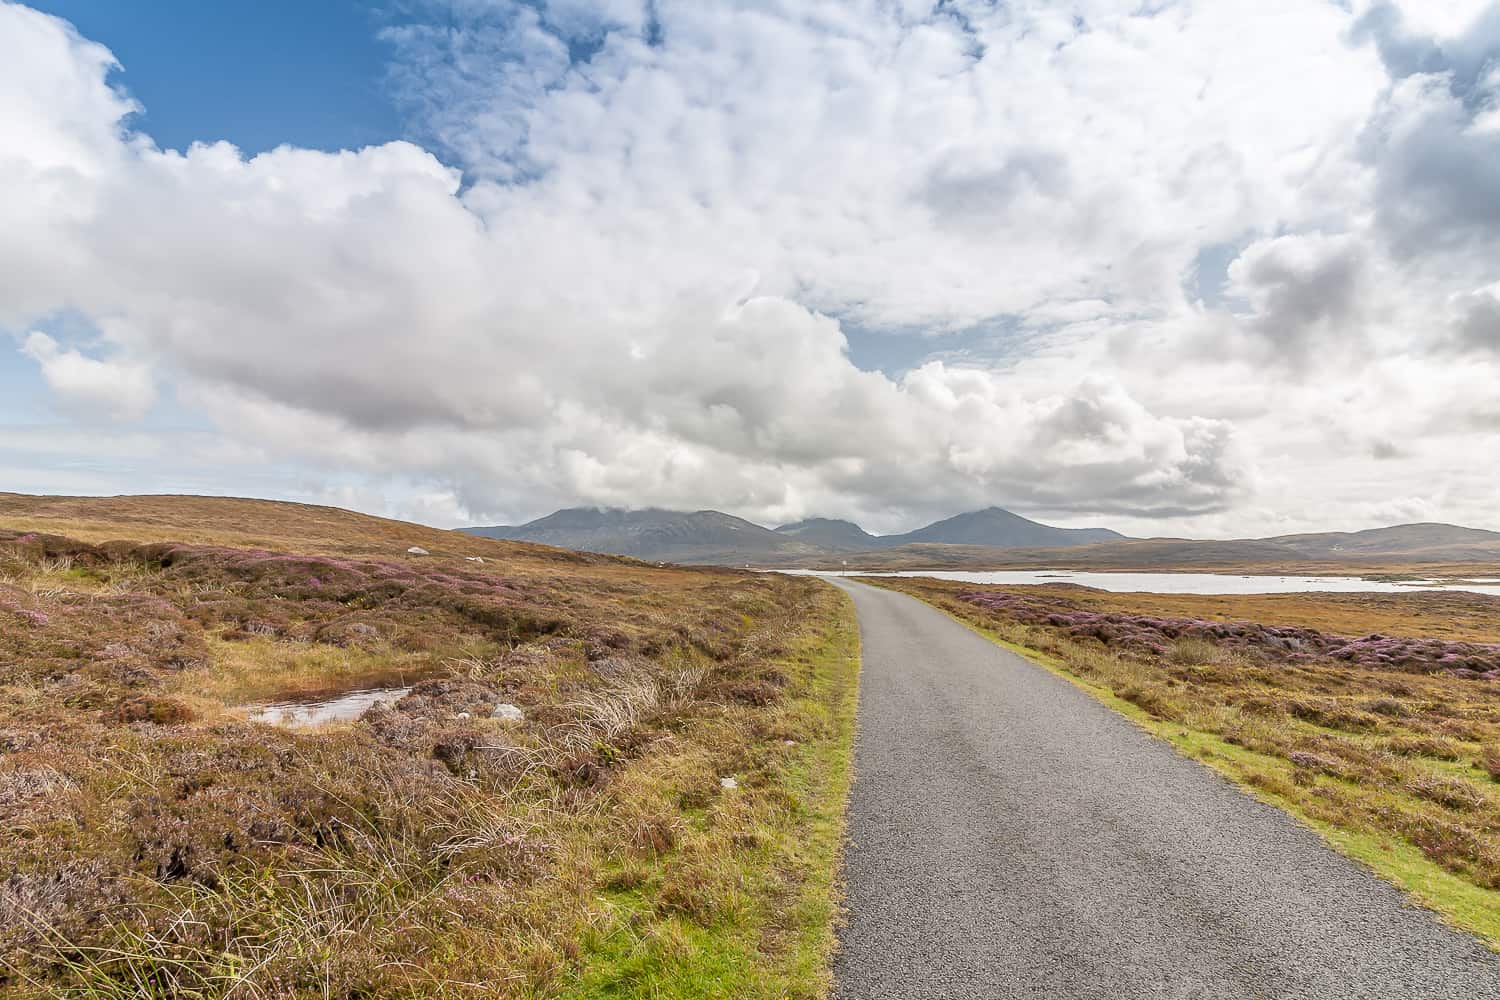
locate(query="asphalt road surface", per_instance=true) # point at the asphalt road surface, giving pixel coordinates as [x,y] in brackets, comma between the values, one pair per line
[1012,837]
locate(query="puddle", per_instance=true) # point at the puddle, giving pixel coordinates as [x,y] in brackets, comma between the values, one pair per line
[345,707]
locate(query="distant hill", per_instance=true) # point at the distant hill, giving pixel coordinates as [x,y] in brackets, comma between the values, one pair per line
[276,525]
[709,536]
[828,533]
[986,539]
[999,528]
[1401,548]
[1449,541]
[704,536]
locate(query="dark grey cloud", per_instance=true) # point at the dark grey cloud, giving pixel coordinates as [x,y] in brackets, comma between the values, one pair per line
[1437,180]
[1437,175]
[1403,52]
[1478,327]
[1466,59]
[1305,292]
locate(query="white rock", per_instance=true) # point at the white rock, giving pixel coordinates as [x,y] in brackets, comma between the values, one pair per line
[728,783]
[417,550]
[509,713]
[463,715]
[478,559]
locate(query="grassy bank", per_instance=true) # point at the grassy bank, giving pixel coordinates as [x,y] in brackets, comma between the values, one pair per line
[1388,752]
[663,821]
[751,887]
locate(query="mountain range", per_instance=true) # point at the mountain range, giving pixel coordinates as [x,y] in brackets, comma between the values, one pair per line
[993,537]
[709,536]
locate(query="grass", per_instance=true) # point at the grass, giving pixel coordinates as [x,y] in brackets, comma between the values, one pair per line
[1385,759]
[158,843]
[788,820]
[1441,614]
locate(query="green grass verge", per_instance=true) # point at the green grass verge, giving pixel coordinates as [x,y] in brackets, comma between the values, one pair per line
[1457,901]
[775,899]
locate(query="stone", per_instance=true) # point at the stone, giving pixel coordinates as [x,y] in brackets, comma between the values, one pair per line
[510,713]
[728,783]
[417,550]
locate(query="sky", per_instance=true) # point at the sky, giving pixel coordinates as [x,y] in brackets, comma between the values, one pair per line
[1218,268]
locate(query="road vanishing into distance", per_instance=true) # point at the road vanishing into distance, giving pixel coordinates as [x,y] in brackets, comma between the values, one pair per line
[1012,837]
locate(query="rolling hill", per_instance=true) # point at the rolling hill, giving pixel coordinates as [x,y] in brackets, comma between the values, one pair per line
[829,533]
[704,536]
[999,528]
[709,536]
[1446,541]
[993,538]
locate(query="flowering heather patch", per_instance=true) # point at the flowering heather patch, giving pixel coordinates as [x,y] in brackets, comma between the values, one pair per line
[429,846]
[32,617]
[1153,635]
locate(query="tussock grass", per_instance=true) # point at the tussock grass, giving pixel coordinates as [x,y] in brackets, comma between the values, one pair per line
[1393,764]
[160,844]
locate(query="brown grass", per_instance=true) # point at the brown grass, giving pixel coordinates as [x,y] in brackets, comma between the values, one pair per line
[268,524]
[1442,614]
[160,844]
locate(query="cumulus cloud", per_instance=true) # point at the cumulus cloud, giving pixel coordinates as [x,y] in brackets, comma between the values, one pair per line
[1303,291]
[1437,159]
[89,385]
[624,270]
[1478,323]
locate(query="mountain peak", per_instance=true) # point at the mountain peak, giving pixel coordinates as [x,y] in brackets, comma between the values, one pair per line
[713,536]
[1001,528]
[830,533]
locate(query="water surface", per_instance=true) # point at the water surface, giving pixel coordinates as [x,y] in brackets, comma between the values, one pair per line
[347,706]
[1198,583]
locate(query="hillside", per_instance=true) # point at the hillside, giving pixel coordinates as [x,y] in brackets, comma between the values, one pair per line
[833,534]
[708,536]
[1447,542]
[998,528]
[533,729]
[995,538]
[1208,555]
[705,536]
[244,523]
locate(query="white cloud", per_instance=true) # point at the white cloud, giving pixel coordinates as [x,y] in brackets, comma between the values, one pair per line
[91,386]
[623,291]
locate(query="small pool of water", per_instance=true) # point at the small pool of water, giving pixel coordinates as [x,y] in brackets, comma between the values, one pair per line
[1197,583]
[347,706]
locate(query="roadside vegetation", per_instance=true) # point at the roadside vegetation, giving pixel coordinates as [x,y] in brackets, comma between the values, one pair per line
[663,820]
[1386,741]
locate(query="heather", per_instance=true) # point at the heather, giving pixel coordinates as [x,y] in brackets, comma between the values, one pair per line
[1152,635]
[161,843]
[1385,741]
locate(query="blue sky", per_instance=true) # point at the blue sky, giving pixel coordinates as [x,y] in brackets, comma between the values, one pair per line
[1219,269]
[259,74]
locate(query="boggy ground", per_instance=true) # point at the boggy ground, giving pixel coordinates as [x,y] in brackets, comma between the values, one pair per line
[159,843]
[1387,741]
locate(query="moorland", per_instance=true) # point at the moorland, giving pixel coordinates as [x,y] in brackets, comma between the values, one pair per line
[604,774]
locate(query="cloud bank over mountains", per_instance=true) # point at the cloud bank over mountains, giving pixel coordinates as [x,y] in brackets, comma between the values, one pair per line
[1248,255]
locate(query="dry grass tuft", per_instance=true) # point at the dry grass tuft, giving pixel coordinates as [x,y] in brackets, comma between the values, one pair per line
[160,843]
